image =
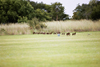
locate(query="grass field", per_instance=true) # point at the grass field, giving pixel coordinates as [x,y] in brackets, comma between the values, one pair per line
[81,50]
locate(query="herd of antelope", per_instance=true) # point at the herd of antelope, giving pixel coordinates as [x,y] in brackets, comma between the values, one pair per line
[68,34]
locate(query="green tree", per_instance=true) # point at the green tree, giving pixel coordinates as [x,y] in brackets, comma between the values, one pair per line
[95,15]
[42,15]
[88,11]
[12,10]
[45,12]
[57,10]
[26,10]
[93,2]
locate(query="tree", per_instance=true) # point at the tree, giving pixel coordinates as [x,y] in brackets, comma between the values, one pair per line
[57,10]
[93,2]
[95,15]
[88,11]
[12,10]
[44,11]
[26,10]
[42,15]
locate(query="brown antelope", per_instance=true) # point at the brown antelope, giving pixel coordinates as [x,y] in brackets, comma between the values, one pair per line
[38,33]
[68,34]
[63,33]
[54,33]
[74,33]
[33,32]
[50,33]
[58,32]
[47,33]
[43,33]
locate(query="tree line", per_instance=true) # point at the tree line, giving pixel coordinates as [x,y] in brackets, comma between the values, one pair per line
[12,11]
[88,11]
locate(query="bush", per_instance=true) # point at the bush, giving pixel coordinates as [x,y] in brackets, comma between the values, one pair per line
[38,26]
[2,31]
[35,24]
[22,19]
[43,26]
[32,23]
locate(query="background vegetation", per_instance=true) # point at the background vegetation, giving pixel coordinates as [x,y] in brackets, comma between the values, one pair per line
[73,26]
[31,16]
[12,11]
[48,27]
[88,11]
[14,29]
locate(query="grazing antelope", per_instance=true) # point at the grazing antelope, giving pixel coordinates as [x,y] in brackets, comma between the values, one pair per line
[54,33]
[38,33]
[50,33]
[43,33]
[63,33]
[47,33]
[74,33]
[33,32]
[58,32]
[68,34]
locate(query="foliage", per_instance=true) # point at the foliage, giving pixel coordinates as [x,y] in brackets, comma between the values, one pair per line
[15,10]
[49,12]
[22,19]
[35,24]
[42,15]
[88,11]
[32,23]
[12,10]
[57,11]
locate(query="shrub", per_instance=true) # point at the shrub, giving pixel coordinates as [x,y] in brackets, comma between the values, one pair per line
[2,31]
[32,23]
[35,24]
[38,26]
[22,19]
[43,25]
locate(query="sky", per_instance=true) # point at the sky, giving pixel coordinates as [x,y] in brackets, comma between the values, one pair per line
[69,5]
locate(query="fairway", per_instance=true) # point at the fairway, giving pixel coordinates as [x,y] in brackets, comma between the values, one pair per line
[80,50]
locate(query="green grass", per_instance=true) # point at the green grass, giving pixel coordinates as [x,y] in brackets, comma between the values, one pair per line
[81,50]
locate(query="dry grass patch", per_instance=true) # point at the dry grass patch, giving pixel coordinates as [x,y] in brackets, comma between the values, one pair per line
[73,25]
[14,29]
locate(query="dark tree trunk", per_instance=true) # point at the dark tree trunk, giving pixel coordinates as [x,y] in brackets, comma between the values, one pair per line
[56,17]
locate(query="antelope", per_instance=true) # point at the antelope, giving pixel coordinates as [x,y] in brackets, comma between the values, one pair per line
[43,33]
[33,32]
[50,33]
[74,33]
[54,33]
[68,34]
[58,32]
[47,33]
[63,33]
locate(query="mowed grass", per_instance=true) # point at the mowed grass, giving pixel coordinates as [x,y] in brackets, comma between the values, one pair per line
[81,50]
